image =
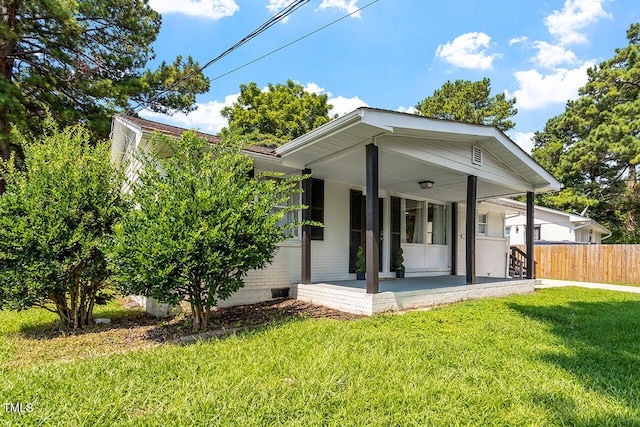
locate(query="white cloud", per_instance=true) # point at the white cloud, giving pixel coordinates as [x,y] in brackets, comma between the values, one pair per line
[524,140]
[206,118]
[212,9]
[342,105]
[409,110]
[538,90]
[349,6]
[552,55]
[314,88]
[276,6]
[518,40]
[467,51]
[575,15]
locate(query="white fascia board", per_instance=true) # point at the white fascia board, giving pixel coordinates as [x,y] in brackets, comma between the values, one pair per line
[573,218]
[593,225]
[118,137]
[319,133]
[516,150]
[390,120]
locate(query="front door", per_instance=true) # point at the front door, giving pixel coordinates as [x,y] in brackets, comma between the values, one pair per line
[358,227]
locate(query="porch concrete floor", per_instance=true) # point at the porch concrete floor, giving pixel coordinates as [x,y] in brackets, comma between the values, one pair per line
[407,293]
[415,283]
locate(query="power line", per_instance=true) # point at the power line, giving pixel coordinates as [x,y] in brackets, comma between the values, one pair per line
[288,10]
[317,30]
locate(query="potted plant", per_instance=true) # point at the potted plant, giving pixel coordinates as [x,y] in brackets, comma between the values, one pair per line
[400,264]
[361,264]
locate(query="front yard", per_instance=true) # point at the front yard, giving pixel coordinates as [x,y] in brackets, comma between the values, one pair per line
[564,356]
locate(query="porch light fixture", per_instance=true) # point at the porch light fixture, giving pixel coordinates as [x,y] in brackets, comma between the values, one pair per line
[426,184]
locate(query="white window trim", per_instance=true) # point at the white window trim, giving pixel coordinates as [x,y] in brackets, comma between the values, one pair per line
[486,224]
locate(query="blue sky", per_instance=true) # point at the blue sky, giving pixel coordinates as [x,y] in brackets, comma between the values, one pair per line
[394,53]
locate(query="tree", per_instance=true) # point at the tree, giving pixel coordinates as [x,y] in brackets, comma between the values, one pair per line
[594,146]
[469,102]
[202,223]
[83,61]
[275,116]
[54,222]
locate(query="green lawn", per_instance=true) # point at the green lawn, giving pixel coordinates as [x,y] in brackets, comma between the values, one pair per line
[563,356]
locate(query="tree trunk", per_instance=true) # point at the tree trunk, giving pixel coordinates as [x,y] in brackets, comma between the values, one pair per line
[200,317]
[8,11]
[76,310]
[631,213]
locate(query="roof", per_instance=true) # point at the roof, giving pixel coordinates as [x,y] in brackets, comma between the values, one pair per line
[368,124]
[571,217]
[152,126]
[412,148]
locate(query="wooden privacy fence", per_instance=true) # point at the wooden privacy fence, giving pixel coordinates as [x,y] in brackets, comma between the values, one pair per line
[589,263]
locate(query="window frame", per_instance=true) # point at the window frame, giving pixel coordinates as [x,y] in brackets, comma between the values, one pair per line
[421,206]
[486,223]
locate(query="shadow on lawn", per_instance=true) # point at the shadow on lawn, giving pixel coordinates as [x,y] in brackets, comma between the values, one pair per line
[603,343]
[159,330]
[224,321]
[120,319]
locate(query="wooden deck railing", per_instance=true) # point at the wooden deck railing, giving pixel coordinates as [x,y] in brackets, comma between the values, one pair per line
[518,263]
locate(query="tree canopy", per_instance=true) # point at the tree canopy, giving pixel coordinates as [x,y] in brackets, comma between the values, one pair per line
[83,61]
[203,221]
[593,147]
[469,102]
[277,115]
[55,221]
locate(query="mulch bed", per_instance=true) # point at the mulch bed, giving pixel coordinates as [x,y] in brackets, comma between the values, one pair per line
[137,326]
[246,317]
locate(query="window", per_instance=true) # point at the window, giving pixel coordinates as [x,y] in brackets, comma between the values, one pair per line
[536,232]
[290,217]
[483,220]
[507,231]
[437,224]
[414,221]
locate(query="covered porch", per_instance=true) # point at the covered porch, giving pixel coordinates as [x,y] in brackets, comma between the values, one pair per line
[399,181]
[408,293]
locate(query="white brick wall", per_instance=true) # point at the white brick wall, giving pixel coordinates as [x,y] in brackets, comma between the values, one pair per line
[329,257]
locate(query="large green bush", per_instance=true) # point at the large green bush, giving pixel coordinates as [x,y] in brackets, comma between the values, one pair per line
[202,221]
[54,222]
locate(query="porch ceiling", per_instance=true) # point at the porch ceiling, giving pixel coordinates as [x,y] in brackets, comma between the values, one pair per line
[414,149]
[401,174]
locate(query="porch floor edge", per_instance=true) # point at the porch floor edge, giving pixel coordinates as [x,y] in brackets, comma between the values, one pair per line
[355,300]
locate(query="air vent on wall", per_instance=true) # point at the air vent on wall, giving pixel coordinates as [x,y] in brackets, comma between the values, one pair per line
[476,155]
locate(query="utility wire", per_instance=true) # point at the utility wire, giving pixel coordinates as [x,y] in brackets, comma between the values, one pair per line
[240,43]
[317,30]
[288,10]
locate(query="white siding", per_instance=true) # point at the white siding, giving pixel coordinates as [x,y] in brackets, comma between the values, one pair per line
[552,228]
[491,250]
[330,257]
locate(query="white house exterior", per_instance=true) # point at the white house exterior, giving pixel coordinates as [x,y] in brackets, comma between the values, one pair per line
[551,226]
[424,173]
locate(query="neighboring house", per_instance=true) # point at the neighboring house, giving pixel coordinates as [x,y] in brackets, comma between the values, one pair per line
[422,175]
[551,226]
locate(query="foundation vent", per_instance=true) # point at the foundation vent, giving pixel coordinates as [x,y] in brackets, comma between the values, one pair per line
[279,293]
[476,155]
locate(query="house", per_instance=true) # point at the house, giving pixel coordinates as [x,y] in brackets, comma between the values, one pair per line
[551,225]
[386,180]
